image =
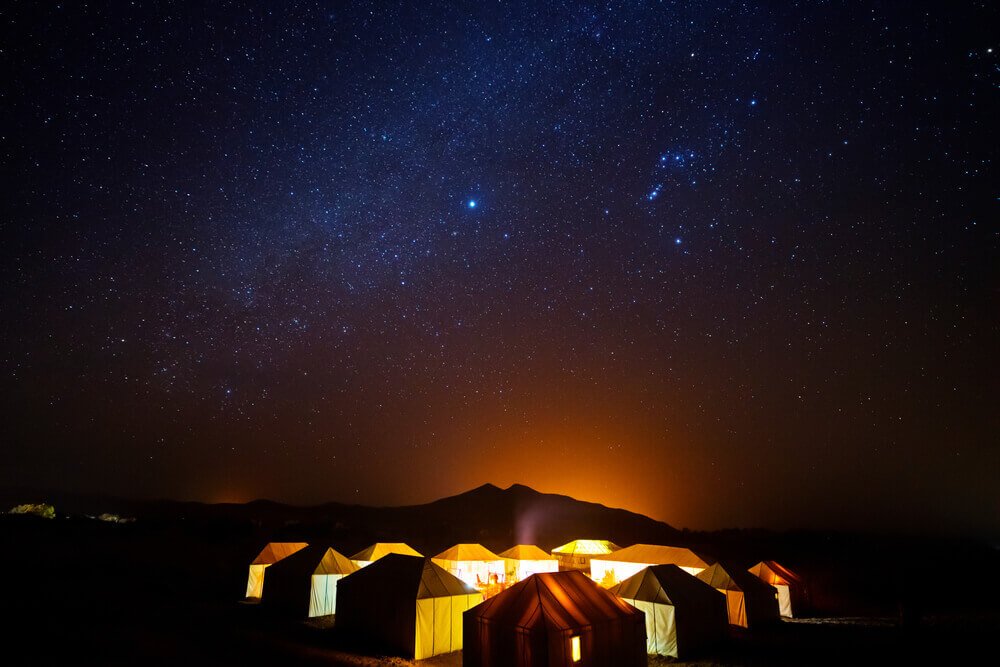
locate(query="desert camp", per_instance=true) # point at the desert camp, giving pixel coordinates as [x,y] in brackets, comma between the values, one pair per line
[683,614]
[704,284]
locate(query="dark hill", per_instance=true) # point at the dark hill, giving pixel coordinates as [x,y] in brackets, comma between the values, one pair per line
[497,518]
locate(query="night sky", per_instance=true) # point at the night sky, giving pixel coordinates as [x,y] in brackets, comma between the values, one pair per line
[726,264]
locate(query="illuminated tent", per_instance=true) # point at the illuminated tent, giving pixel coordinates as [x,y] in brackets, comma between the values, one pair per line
[554,619]
[576,555]
[749,601]
[406,605]
[305,583]
[622,564]
[379,549]
[683,614]
[788,584]
[472,563]
[524,560]
[269,555]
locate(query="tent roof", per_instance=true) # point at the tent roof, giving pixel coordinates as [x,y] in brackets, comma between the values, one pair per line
[313,559]
[335,562]
[657,555]
[664,584]
[553,600]
[772,573]
[379,549]
[467,552]
[731,579]
[525,552]
[587,547]
[414,575]
[275,551]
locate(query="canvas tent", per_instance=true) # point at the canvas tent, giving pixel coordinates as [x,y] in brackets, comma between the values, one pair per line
[406,605]
[523,560]
[683,614]
[616,567]
[749,601]
[269,555]
[787,583]
[472,563]
[554,619]
[576,555]
[305,583]
[379,549]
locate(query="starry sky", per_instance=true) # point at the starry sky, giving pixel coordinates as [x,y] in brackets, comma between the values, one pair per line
[728,264]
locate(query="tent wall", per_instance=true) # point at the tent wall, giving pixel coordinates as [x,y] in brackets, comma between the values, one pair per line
[700,625]
[439,624]
[621,642]
[784,600]
[736,608]
[519,570]
[487,644]
[255,582]
[378,612]
[323,597]
[609,572]
[473,572]
[661,627]
[761,605]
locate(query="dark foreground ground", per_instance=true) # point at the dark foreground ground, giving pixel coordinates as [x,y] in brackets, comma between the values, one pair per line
[78,592]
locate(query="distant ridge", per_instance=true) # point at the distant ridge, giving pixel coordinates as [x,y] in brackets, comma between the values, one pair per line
[497,518]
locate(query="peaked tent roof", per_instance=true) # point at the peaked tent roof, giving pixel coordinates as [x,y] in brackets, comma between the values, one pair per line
[467,552]
[774,573]
[414,575]
[554,600]
[664,584]
[380,549]
[733,579]
[334,562]
[658,555]
[587,547]
[275,551]
[525,552]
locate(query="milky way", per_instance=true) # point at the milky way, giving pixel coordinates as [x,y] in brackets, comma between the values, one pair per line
[727,264]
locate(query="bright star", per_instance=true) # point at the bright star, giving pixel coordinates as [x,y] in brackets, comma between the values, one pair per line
[677,241]
[471,203]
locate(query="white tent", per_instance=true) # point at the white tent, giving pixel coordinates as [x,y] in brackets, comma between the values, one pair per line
[305,583]
[749,601]
[405,606]
[472,563]
[683,614]
[576,555]
[612,568]
[787,583]
[269,555]
[523,560]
